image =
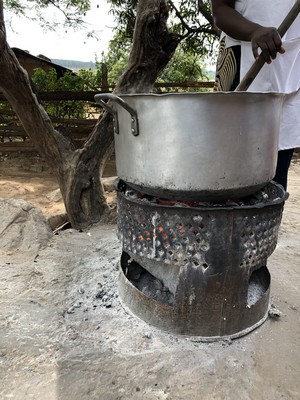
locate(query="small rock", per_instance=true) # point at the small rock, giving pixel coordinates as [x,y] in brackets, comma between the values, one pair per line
[54,196]
[274,312]
[148,335]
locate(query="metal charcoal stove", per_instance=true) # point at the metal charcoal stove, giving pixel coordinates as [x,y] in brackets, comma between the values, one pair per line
[198,268]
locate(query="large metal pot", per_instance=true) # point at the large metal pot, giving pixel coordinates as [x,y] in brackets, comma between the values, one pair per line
[196,146]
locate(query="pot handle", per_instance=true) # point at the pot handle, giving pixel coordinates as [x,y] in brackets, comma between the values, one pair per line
[110,96]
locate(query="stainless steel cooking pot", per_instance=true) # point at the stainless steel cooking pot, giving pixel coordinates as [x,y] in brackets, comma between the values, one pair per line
[196,146]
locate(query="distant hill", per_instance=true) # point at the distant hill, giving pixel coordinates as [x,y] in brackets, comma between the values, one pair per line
[75,65]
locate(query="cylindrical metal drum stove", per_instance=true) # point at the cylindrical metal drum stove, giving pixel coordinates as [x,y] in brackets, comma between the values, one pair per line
[197,235]
[198,270]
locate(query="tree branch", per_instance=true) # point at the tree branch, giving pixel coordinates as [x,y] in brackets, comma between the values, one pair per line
[192,30]
[153,47]
[205,12]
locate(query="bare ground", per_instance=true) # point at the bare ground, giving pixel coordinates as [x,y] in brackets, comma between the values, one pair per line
[65,335]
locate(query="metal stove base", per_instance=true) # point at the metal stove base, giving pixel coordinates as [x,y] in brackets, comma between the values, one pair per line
[199,271]
[193,324]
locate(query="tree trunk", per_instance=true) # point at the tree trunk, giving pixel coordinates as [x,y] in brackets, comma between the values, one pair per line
[153,47]
[79,171]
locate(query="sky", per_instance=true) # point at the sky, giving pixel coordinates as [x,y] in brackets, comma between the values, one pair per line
[29,36]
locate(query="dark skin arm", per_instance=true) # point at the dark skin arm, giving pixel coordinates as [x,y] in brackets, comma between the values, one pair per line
[235,25]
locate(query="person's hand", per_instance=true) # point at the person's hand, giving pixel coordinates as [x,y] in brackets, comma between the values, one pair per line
[269,41]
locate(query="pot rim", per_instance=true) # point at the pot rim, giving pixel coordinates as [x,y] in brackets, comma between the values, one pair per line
[194,94]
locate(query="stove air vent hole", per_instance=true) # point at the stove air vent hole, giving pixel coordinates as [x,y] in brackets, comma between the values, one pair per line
[259,283]
[145,282]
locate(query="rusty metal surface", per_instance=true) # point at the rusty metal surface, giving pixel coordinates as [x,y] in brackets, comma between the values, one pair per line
[211,260]
[180,235]
[209,319]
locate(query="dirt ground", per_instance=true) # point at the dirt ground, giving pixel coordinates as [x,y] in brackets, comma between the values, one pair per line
[65,335]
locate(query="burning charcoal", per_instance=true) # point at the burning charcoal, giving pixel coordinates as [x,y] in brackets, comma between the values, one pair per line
[148,199]
[203,204]
[145,196]
[166,202]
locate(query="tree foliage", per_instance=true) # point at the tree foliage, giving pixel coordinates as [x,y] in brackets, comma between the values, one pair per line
[116,58]
[72,11]
[84,80]
[191,19]
[185,65]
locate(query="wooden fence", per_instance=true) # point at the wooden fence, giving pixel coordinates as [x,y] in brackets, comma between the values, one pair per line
[13,137]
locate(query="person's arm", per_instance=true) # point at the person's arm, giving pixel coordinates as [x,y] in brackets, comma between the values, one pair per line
[235,25]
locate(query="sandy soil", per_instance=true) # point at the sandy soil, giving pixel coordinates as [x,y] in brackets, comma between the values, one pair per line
[65,335]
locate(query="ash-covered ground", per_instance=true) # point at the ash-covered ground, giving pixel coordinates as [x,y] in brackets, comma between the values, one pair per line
[64,333]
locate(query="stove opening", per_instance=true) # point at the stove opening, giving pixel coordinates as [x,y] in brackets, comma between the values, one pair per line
[259,283]
[145,282]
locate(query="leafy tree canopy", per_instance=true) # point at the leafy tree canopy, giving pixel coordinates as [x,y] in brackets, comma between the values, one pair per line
[191,19]
[85,79]
[184,66]
[72,11]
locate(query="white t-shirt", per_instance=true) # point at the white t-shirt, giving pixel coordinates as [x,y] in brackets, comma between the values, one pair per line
[283,74]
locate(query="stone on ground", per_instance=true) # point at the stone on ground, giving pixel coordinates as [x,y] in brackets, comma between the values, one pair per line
[22,227]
